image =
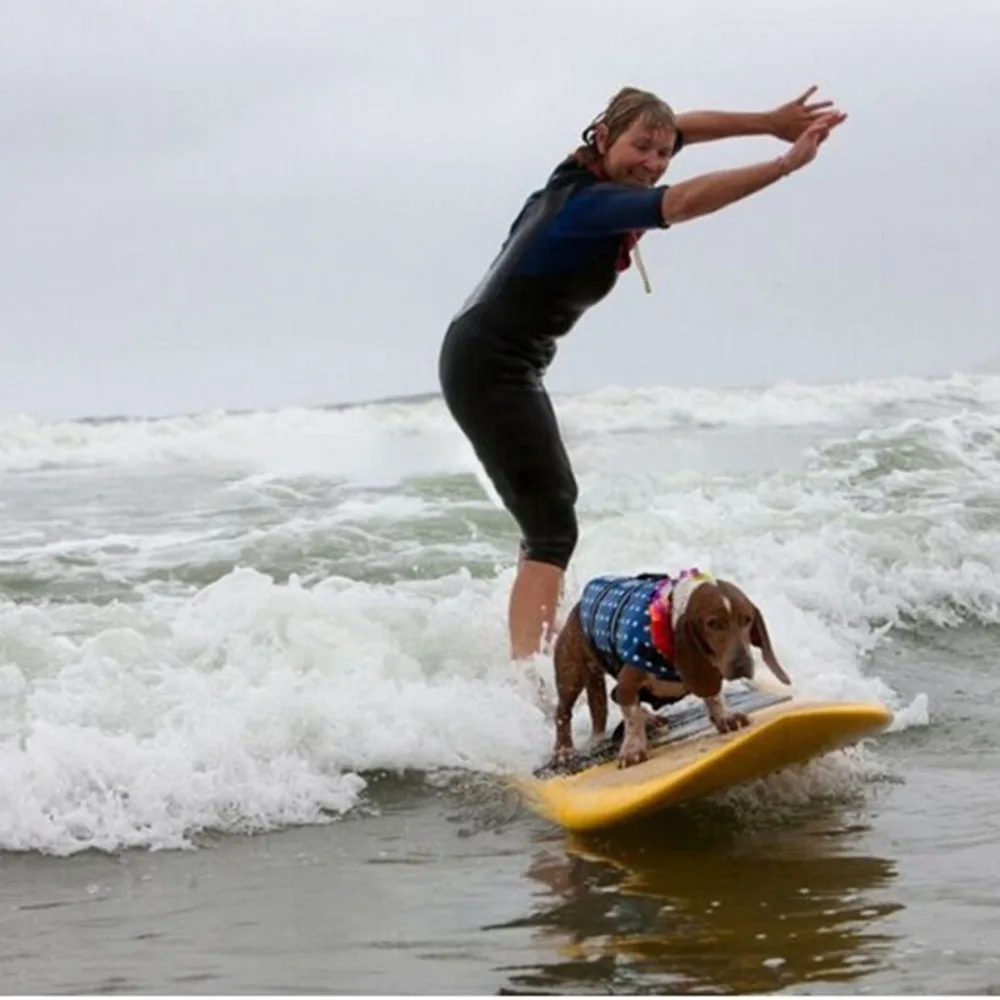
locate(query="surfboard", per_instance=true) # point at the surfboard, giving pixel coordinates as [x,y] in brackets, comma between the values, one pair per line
[691,760]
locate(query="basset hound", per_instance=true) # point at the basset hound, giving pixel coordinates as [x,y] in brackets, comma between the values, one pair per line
[661,638]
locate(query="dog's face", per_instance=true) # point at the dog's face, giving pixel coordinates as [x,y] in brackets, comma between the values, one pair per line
[714,631]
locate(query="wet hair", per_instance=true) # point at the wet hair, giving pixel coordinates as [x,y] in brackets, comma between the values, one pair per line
[628,106]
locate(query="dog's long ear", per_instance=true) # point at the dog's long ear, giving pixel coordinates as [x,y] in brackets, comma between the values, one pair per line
[760,638]
[692,663]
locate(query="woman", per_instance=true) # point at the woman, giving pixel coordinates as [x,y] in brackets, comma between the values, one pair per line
[562,256]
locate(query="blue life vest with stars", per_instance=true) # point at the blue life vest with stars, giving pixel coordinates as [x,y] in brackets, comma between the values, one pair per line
[615,617]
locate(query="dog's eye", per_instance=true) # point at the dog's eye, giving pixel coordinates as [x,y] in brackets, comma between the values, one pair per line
[716,624]
[745,620]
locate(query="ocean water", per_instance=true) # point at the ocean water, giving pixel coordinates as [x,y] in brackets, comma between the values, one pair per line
[256,711]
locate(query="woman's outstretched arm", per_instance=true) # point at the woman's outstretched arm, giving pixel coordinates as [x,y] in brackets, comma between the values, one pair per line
[786,122]
[708,193]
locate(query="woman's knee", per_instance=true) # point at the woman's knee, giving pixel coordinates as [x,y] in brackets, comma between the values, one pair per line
[549,529]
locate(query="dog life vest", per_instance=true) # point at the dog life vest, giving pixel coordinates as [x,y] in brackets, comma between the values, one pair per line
[628,621]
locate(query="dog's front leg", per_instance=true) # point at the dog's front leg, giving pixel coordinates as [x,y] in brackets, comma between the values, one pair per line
[723,720]
[633,748]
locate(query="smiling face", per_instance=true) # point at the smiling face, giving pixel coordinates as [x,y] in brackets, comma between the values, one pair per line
[640,155]
[633,138]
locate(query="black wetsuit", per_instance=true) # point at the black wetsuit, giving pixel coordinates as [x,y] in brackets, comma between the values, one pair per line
[562,256]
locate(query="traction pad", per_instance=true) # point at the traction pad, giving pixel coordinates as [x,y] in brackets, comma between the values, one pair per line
[683,720]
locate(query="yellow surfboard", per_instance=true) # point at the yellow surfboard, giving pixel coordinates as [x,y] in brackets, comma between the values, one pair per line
[783,732]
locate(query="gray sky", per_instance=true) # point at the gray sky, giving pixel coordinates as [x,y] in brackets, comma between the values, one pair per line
[236,203]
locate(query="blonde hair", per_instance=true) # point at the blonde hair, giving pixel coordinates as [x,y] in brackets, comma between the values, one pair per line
[628,106]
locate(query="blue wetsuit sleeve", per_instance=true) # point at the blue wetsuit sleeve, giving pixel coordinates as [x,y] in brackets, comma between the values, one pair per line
[611,208]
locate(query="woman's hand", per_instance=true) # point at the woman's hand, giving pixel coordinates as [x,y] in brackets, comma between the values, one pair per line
[807,145]
[707,193]
[789,121]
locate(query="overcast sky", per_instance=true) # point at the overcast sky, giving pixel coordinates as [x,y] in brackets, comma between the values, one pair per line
[241,204]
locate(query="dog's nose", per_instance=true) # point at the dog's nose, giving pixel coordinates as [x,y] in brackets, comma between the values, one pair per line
[742,663]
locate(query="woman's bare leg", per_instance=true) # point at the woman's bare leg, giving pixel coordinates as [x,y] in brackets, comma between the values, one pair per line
[534,601]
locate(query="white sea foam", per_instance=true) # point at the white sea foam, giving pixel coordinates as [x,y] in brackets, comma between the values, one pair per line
[386,441]
[254,702]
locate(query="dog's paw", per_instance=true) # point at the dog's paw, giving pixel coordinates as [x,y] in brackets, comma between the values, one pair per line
[630,756]
[731,721]
[562,756]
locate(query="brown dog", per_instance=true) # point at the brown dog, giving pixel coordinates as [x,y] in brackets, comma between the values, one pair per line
[661,639]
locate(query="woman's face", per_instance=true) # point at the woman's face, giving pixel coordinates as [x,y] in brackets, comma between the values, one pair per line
[640,155]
